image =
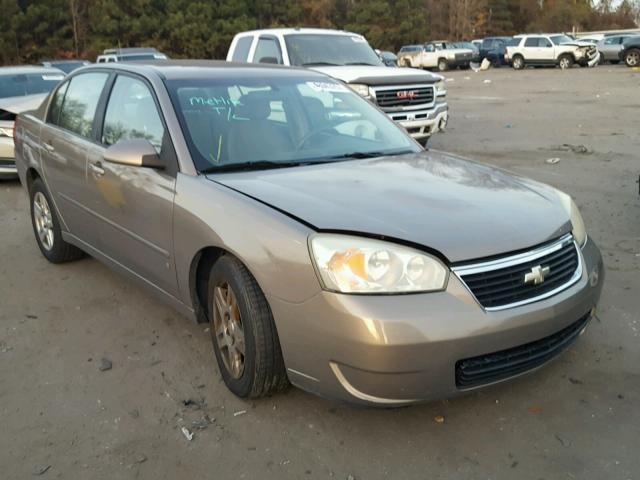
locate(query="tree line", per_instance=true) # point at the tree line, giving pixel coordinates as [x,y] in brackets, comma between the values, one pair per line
[31,31]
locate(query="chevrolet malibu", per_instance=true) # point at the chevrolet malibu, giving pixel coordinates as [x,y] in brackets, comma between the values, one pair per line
[324,245]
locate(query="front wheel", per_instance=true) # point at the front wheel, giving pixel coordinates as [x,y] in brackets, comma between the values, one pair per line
[632,58]
[443,66]
[245,340]
[46,227]
[565,61]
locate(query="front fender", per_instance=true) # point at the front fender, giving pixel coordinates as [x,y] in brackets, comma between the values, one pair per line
[272,245]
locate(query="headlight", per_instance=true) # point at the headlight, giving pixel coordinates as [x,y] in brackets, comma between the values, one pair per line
[579,230]
[441,90]
[360,89]
[351,264]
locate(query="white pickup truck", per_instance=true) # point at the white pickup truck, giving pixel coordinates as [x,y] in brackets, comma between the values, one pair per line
[413,98]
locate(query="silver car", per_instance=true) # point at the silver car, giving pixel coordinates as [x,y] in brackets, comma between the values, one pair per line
[21,89]
[611,46]
[324,245]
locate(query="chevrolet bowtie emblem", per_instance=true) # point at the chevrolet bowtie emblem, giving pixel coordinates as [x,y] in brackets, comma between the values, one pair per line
[536,275]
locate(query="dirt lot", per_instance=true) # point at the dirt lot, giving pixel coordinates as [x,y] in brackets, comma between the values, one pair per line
[62,417]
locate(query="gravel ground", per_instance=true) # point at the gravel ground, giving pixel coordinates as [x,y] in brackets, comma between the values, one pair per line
[64,415]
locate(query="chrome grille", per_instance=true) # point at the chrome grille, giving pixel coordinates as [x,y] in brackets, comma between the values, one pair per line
[404,96]
[515,280]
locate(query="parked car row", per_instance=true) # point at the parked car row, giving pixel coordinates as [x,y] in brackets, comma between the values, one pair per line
[525,50]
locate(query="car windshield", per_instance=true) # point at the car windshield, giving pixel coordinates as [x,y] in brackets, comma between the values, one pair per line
[22,84]
[561,39]
[307,50]
[267,121]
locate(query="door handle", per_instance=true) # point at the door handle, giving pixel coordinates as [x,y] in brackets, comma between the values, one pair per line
[97,169]
[48,147]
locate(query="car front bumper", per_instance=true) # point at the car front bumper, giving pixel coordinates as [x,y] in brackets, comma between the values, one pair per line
[403,349]
[423,123]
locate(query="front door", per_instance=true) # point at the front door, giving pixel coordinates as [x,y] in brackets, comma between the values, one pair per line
[135,204]
[66,138]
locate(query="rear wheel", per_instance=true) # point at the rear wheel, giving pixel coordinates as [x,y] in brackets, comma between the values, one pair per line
[245,340]
[632,58]
[443,66]
[46,227]
[518,62]
[565,61]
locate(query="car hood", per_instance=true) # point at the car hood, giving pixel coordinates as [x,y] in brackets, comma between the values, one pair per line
[22,104]
[378,75]
[462,209]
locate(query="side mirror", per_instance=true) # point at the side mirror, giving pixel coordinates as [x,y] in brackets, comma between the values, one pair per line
[136,152]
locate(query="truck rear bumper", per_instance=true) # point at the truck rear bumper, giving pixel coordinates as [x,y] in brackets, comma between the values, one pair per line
[423,123]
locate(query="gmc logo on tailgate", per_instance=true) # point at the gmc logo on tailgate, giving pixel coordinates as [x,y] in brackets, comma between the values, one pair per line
[406,94]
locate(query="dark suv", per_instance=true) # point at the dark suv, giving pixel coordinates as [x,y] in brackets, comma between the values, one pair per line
[493,49]
[630,53]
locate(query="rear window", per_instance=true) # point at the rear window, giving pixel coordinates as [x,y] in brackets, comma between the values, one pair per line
[241,52]
[20,85]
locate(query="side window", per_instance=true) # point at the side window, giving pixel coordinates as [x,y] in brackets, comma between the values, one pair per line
[430,48]
[545,43]
[132,113]
[80,102]
[267,51]
[56,103]
[531,42]
[241,52]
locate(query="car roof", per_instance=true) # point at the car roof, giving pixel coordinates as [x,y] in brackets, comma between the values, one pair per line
[194,69]
[17,69]
[289,31]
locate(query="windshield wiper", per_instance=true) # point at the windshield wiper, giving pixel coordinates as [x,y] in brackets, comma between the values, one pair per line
[257,165]
[319,64]
[260,165]
[362,63]
[360,155]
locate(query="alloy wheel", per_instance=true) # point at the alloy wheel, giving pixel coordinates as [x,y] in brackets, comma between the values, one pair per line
[43,220]
[564,63]
[633,59]
[228,330]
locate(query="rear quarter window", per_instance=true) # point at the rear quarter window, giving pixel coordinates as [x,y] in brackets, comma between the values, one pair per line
[241,51]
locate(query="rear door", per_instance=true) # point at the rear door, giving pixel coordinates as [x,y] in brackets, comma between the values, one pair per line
[135,204]
[611,46]
[65,139]
[547,50]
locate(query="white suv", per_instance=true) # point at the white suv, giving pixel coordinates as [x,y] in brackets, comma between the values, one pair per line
[550,50]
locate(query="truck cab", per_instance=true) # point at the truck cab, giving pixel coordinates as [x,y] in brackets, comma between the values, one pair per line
[438,54]
[413,98]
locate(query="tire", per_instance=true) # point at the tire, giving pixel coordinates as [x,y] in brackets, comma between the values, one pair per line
[632,58]
[46,227]
[406,63]
[565,61]
[443,66]
[243,313]
[518,62]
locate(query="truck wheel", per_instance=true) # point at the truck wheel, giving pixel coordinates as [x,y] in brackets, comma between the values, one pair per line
[46,227]
[632,58]
[443,66]
[245,340]
[518,62]
[565,61]
[406,63]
